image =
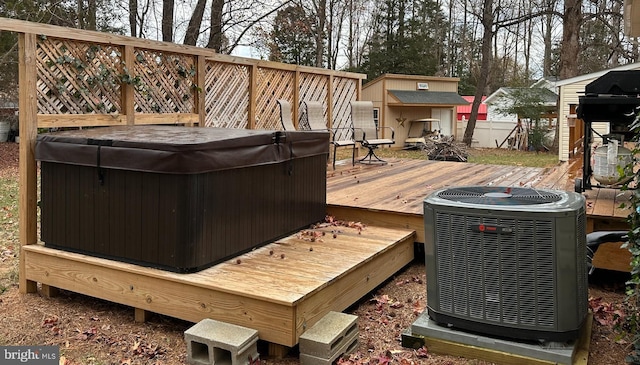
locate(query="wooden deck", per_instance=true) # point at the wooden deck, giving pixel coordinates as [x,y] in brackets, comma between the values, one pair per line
[392,195]
[283,288]
[280,289]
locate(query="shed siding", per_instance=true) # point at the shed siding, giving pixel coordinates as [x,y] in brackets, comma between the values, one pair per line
[376,91]
[569,92]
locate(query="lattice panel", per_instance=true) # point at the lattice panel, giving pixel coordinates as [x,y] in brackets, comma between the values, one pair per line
[77,77]
[226,95]
[272,85]
[344,91]
[166,82]
[312,88]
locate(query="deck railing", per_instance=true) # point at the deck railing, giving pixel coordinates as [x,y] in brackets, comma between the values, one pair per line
[77,78]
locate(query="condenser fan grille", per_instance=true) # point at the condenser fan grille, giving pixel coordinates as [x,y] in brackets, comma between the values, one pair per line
[499,195]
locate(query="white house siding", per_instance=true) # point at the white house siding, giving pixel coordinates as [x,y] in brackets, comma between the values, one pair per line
[569,91]
[493,114]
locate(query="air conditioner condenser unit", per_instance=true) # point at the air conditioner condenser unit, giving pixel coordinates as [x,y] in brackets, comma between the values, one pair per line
[508,262]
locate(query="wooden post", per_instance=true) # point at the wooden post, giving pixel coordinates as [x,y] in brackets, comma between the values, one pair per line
[127,92]
[199,93]
[141,315]
[330,102]
[49,291]
[253,84]
[28,118]
[296,98]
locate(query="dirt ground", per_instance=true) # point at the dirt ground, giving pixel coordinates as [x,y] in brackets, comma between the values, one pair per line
[92,331]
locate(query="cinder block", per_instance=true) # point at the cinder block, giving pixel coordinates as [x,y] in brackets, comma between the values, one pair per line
[330,336]
[347,348]
[211,342]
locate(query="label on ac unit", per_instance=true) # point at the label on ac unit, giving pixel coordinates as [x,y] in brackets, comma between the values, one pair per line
[489,228]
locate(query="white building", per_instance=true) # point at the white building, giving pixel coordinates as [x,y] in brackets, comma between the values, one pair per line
[569,90]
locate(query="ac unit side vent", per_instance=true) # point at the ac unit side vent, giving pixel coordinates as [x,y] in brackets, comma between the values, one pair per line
[581,244]
[496,278]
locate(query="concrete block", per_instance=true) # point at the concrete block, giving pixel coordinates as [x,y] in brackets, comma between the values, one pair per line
[331,335]
[211,342]
[347,348]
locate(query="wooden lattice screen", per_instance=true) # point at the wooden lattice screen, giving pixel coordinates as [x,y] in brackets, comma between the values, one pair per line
[344,91]
[76,78]
[90,79]
[227,95]
[312,87]
[163,82]
[273,84]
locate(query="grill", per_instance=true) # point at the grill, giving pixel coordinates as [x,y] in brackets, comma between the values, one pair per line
[613,98]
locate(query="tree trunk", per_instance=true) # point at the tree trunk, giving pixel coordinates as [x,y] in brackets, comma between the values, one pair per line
[570,39]
[546,62]
[81,14]
[133,12]
[167,20]
[321,14]
[350,56]
[91,14]
[193,29]
[487,37]
[215,34]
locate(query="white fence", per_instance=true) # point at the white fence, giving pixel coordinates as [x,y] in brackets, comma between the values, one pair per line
[487,132]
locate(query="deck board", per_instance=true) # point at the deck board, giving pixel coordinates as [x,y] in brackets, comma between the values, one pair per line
[278,296]
[399,188]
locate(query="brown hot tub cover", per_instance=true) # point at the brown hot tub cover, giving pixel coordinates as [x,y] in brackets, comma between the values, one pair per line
[178,198]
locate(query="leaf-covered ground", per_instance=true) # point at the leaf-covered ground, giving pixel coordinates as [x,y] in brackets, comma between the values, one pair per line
[92,331]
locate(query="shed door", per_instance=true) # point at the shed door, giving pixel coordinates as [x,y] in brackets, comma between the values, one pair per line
[446,120]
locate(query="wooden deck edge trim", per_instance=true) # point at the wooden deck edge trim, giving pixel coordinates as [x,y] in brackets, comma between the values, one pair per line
[376,265]
[444,347]
[380,218]
[154,293]
[350,288]
[580,356]
[118,266]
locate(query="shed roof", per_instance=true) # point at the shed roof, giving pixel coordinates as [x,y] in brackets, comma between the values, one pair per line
[595,75]
[467,108]
[547,96]
[409,97]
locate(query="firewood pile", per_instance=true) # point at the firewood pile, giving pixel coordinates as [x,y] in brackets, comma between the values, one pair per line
[445,148]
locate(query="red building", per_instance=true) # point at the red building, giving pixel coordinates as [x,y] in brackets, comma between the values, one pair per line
[464,111]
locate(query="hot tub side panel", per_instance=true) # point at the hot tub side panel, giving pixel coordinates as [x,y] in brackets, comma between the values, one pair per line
[179,222]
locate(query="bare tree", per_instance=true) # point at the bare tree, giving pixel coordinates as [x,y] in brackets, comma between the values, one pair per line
[320,7]
[547,38]
[571,20]
[193,29]
[215,32]
[167,20]
[133,17]
[487,37]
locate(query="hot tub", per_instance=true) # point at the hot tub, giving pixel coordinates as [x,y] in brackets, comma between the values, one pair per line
[178,198]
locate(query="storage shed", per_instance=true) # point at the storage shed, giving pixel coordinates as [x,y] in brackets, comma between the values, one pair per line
[399,99]
[571,131]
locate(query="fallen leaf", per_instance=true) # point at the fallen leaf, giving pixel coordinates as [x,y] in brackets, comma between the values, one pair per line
[422,352]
